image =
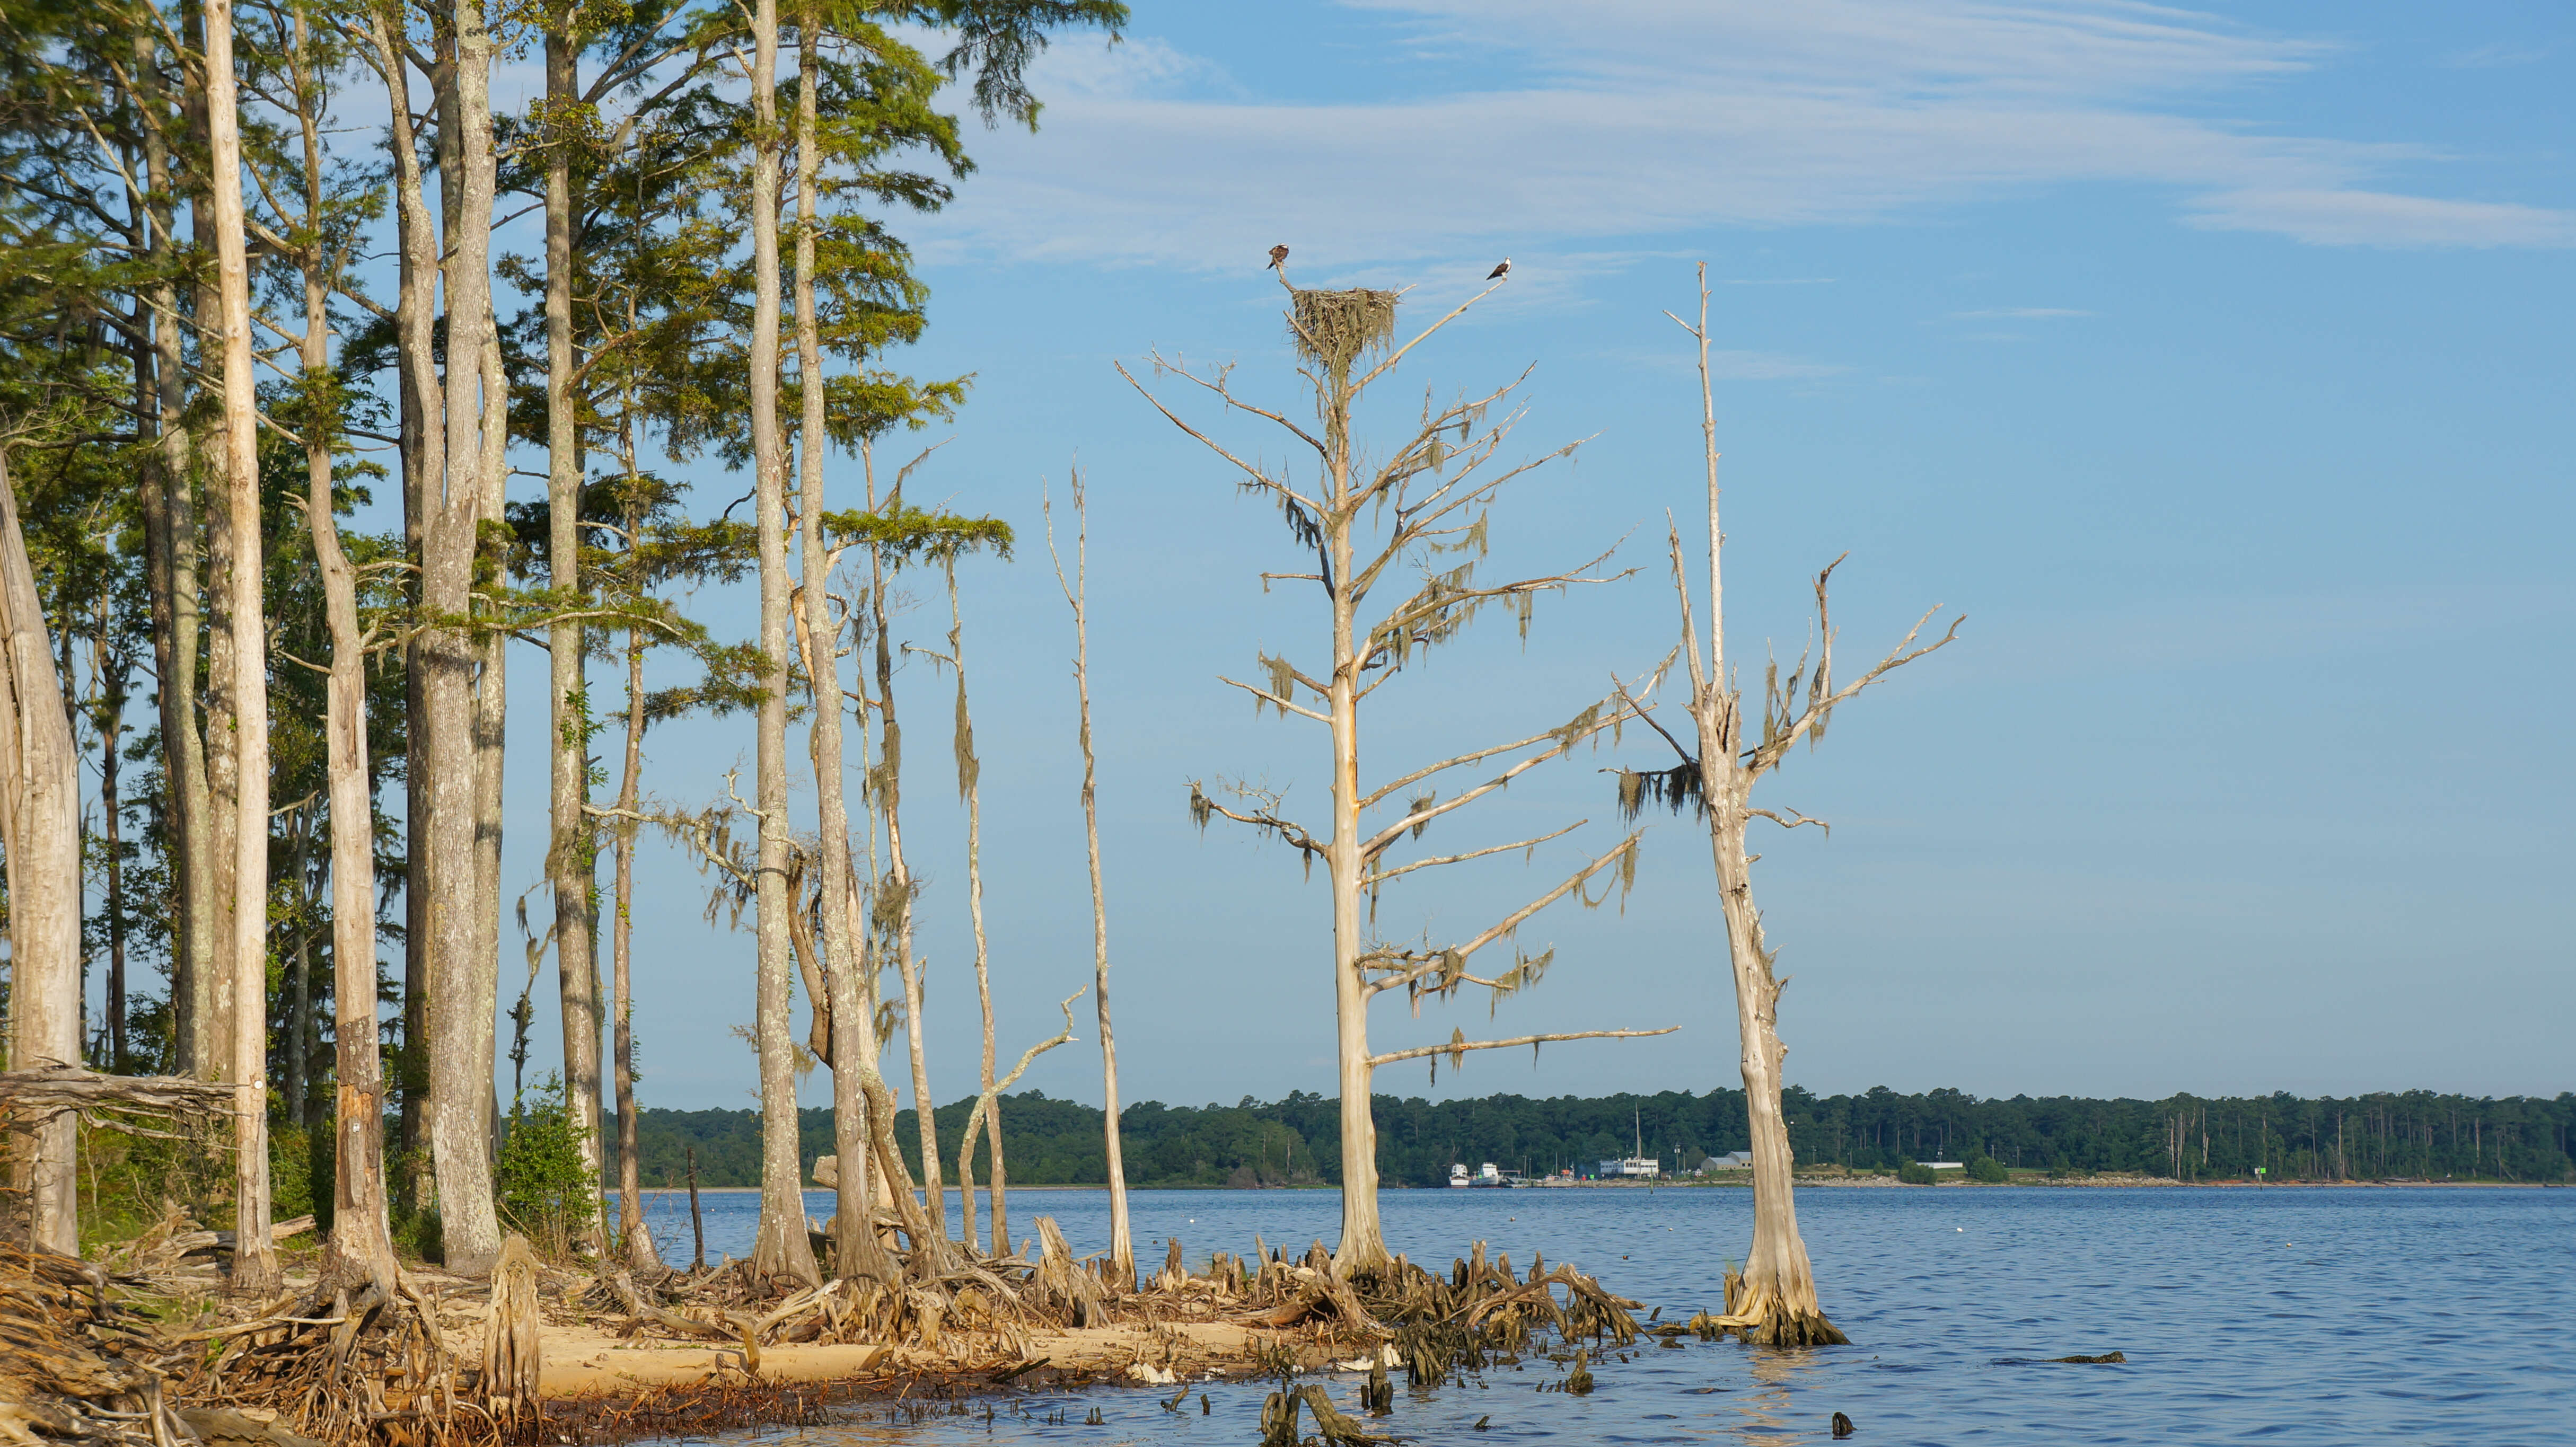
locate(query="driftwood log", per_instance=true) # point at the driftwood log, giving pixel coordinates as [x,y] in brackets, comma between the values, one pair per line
[29,1097]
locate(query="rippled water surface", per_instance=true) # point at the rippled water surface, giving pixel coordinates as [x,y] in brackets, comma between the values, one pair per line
[2281,1316]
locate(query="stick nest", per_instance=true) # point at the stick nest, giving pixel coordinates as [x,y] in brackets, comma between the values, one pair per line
[1336,328]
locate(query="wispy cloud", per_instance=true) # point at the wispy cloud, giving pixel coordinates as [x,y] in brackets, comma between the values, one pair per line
[1639,118]
[1777,281]
[2020,313]
[2379,218]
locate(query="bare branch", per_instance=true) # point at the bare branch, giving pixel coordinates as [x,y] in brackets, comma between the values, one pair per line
[1043,1046]
[1793,821]
[1202,808]
[1275,701]
[1259,478]
[1455,957]
[1218,387]
[1460,1047]
[1382,368]
[1641,711]
[1382,876]
[1811,720]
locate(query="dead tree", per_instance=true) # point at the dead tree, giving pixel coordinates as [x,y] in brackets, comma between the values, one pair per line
[1423,510]
[1773,1301]
[1077,595]
[40,832]
[987,1114]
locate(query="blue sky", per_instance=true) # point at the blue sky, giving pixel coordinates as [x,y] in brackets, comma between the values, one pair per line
[2215,364]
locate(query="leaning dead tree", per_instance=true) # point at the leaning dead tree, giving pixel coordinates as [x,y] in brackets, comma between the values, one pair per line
[1420,514]
[1773,1300]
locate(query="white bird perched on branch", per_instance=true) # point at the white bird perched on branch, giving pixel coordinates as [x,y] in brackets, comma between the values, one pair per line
[1500,271]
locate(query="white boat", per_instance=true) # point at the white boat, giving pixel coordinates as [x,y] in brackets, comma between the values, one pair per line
[1640,1166]
[1489,1178]
[1458,1177]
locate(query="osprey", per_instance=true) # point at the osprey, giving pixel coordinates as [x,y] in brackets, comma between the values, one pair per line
[1500,271]
[1278,254]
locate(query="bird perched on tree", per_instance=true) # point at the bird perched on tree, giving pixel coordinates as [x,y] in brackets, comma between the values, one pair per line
[1278,254]
[1500,271]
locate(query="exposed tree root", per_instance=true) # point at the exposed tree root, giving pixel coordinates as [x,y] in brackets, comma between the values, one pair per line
[1766,1316]
[441,1363]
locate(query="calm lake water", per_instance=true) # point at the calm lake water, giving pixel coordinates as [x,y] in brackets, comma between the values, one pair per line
[2280,1316]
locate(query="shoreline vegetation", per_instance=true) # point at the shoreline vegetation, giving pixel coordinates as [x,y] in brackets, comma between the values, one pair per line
[2402,1135]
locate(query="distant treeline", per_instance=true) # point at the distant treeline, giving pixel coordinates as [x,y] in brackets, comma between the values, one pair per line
[1297,1141]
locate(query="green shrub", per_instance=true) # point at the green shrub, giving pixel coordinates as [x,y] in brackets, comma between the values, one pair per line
[541,1186]
[1988,1170]
[420,1235]
[1915,1173]
[290,1172]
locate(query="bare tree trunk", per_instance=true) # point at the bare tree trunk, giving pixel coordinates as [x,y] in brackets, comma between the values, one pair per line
[1122,1247]
[170,514]
[1363,1243]
[572,858]
[40,832]
[631,1227]
[213,450]
[856,1251]
[886,788]
[491,705]
[463,966]
[423,454]
[361,1248]
[781,1246]
[987,1115]
[894,1185]
[632,1230]
[254,1258]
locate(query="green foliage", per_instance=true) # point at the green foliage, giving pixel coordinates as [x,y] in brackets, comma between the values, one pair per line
[1988,1170]
[1298,1140]
[541,1186]
[1915,1173]
[290,1174]
[129,1179]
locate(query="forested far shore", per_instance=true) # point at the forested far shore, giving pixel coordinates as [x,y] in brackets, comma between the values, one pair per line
[1296,1141]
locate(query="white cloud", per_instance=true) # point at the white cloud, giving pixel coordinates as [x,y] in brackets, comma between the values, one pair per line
[2020,313]
[2378,218]
[1634,118]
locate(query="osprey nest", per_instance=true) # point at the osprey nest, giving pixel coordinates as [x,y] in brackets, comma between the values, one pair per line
[1335,328]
